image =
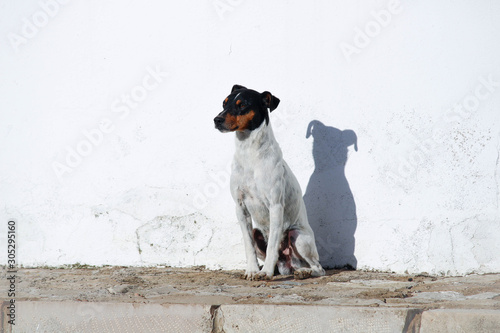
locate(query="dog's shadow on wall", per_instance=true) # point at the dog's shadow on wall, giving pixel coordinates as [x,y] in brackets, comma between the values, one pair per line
[331,209]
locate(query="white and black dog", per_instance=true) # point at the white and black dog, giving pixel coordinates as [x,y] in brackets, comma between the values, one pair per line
[266,191]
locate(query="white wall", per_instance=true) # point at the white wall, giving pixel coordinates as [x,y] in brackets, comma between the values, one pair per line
[89,178]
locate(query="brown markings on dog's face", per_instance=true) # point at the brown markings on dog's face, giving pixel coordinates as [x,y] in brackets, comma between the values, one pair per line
[239,122]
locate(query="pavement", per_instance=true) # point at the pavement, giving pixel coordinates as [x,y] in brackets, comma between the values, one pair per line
[165,299]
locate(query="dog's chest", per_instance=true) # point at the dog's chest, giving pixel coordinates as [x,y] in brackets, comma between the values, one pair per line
[251,188]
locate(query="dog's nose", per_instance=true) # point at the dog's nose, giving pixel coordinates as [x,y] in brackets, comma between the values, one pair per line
[218,120]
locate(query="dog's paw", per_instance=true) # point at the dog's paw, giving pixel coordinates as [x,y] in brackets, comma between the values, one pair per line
[302,273]
[263,276]
[250,275]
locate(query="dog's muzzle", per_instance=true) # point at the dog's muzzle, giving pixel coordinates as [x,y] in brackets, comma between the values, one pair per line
[219,123]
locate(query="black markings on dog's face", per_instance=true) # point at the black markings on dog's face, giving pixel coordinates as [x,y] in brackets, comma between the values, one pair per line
[245,110]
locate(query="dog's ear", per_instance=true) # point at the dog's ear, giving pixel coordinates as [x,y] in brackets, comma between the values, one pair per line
[269,100]
[349,138]
[237,87]
[313,125]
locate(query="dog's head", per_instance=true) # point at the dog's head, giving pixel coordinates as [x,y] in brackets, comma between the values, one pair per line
[245,110]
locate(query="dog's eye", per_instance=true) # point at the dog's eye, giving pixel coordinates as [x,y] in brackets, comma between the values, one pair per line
[242,106]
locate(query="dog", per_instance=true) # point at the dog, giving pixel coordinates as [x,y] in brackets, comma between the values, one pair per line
[266,191]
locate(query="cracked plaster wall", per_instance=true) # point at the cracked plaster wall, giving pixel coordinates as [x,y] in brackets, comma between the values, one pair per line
[424,180]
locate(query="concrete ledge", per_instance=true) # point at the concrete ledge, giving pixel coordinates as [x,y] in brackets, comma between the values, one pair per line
[298,318]
[456,321]
[109,317]
[71,316]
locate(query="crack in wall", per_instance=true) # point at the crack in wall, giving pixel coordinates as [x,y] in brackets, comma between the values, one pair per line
[138,243]
[205,247]
[187,236]
[465,223]
[497,166]
[452,248]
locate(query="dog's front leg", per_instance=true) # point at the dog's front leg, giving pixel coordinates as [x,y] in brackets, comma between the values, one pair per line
[275,235]
[276,209]
[245,221]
